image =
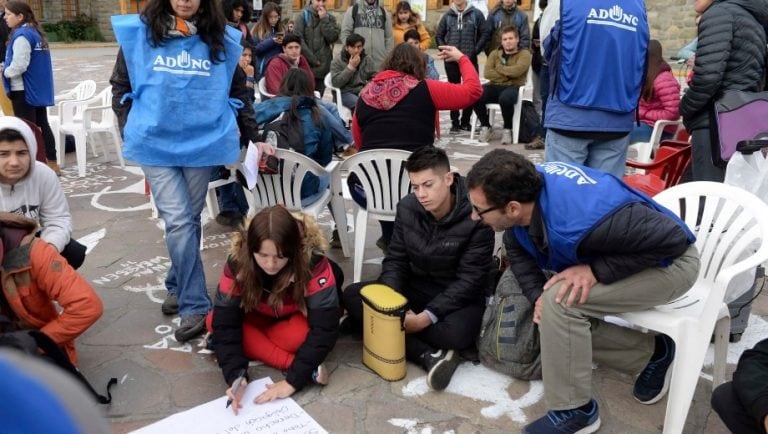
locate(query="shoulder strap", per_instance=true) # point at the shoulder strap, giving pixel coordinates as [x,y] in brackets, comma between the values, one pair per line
[306,17]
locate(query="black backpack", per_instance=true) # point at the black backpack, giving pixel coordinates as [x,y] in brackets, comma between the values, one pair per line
[288,133]
[530,124]
[31,342]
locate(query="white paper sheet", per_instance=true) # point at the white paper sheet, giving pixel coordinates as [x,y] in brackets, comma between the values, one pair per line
[251,165]
[280,416]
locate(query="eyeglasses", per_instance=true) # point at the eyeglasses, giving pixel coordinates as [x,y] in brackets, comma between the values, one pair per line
[485,211]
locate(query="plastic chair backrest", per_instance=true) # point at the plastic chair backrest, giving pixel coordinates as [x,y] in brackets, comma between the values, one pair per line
[382,174]
[729,223]
[344,112]
[672,159]
[284,188]
[263,88]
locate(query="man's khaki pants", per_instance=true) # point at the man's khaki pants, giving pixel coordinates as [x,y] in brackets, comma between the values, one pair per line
[572,337]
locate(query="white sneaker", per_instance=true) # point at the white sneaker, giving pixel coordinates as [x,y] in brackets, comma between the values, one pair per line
[485,134]
[506,137]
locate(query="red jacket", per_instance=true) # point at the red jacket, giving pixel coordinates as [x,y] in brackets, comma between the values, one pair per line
[34,276]
[276,69]
[665,103]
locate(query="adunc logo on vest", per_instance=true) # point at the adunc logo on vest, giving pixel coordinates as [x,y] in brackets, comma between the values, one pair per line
[614,16]
[183,64]
[568,171]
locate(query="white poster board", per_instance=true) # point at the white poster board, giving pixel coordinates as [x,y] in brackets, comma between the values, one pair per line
[283,415]
[419,6]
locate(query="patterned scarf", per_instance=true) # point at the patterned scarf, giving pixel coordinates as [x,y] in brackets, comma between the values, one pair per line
[181,27]
[387,89]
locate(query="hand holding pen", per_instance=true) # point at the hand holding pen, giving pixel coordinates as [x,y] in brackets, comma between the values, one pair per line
[235,393]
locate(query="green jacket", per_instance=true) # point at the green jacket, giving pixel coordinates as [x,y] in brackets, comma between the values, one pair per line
[317,39]
[348,80]
[504,70]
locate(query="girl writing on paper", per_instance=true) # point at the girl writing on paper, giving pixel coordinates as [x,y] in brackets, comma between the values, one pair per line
[276,302]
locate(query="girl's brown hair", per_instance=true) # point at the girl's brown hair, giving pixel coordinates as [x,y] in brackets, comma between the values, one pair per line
[407,59]
[282,228]
[655,65]
[262,27]
[23,9]
[414,19]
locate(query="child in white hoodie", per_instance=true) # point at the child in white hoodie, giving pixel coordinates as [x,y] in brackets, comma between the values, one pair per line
[30,188]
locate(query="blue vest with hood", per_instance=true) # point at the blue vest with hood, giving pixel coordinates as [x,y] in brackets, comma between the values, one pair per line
[181,114]
[596,54]
[573,201]
[38,78]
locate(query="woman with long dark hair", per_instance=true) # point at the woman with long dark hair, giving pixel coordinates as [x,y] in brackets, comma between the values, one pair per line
[238,13]
[28,73]
[660,97]
[267,37]
[277,303]
[180,100]
[404,18]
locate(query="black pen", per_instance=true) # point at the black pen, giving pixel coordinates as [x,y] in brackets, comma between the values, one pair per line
[236,387]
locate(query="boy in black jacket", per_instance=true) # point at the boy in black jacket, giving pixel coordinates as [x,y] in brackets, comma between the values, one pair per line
[439,260]
[743,403]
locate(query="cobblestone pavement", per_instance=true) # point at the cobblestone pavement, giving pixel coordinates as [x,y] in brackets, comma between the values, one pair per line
[157,376]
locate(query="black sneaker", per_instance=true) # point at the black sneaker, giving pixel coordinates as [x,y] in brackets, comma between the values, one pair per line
[466,126]
[383,245]
[455,128]
[170,304]
[576,421]
[440,367]
[653,382]
[191,326]
[232,219]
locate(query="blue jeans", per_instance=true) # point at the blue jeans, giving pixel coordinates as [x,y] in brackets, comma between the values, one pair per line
[179,194]
[323,182]
[606,155]
[544,92]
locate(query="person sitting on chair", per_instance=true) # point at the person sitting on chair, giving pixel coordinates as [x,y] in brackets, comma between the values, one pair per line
[439,260]
[351,70]
[282,63]
[32,189]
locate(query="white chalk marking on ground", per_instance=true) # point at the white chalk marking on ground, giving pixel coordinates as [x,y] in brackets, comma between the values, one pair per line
[757,330]
[408,424]
[706,376]
[463,156]
[482,384]
[150,290]
[91,240]
[135,188]
[122,380]
[375,261]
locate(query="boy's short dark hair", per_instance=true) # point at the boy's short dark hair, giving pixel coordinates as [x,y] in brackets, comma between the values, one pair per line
[505,176]
[353,39]
[11,135]
[428,157]
[411,34]
[510,29]
[291,37]
[246,44]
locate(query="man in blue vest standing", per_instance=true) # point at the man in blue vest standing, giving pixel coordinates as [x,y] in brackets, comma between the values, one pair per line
[596,54]
[608,250]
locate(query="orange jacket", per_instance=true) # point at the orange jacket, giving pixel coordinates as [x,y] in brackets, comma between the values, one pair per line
[398,33]
[33,276]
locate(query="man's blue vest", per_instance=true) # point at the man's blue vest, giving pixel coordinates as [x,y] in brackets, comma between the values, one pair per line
[181,114]
[38,78]
[600,53]
[573,201]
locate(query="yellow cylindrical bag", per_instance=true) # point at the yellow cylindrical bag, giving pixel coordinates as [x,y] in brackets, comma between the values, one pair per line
[383,333]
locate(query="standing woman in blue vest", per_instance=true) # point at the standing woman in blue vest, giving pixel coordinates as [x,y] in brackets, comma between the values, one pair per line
[180,98]
[28,74]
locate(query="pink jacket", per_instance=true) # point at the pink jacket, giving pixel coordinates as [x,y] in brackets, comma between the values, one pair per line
[665,103]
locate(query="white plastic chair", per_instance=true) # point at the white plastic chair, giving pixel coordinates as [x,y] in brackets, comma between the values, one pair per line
[385,181]
[71,122]
[525,93]
[732,223]
[107,124]
[84,90]
[644,150]
[263,89]
[344,113]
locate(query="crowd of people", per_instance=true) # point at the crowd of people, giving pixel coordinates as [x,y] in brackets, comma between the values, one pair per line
[280,298]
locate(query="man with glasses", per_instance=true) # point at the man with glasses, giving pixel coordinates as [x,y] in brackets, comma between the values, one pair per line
[439,259]
[612,250]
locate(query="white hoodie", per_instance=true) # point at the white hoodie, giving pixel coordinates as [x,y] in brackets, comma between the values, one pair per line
[38,195]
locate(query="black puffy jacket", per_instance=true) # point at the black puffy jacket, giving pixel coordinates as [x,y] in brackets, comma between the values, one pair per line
[628,241]
[464,30]
[730,56]
[440,266]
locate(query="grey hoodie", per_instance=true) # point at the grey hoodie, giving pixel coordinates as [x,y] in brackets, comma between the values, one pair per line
[38,195]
